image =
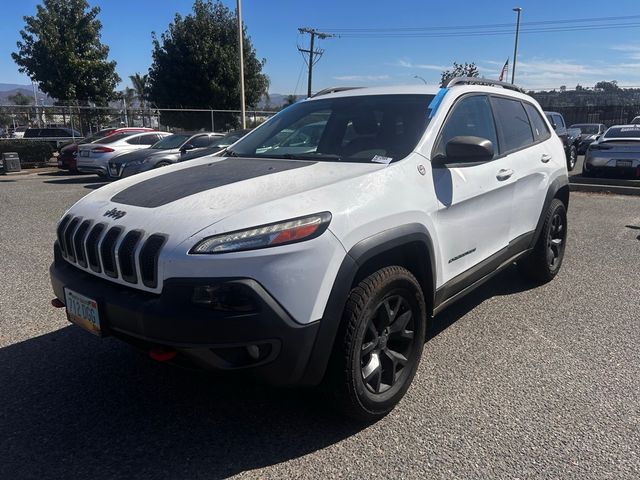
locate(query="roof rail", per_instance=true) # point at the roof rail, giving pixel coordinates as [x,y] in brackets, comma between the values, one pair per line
[483,81]
[326,91]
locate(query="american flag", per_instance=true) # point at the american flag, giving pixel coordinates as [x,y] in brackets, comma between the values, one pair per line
[505,71]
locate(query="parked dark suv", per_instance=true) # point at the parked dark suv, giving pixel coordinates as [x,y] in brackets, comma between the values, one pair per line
[570,142]
[56,136]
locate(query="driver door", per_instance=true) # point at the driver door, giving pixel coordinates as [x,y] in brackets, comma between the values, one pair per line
[474,202]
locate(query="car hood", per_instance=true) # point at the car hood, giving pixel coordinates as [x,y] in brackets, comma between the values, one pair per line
[142,154]
[182,199]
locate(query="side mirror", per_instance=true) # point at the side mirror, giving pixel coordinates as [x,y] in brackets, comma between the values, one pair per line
[187,147]
[467,150]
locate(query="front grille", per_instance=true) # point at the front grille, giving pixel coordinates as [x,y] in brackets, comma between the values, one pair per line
[111,251]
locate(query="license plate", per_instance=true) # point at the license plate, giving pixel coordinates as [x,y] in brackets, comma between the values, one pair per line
[84,154]
[82,311]
[624,163]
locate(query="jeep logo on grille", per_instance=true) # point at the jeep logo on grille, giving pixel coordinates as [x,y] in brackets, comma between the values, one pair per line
[115,213]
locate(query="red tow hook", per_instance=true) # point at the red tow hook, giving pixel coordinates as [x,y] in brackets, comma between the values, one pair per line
[162,354]
[56,302]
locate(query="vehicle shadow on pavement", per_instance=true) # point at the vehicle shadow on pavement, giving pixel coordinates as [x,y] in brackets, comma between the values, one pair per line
[74,406]
[507,282]
[78,180]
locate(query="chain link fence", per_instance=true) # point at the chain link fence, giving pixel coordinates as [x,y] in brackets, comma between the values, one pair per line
[87,120]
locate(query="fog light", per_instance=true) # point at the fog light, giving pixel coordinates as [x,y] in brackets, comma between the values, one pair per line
[253,351]
[227,297]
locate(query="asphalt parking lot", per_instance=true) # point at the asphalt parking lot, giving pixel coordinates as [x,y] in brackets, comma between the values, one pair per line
[516,381]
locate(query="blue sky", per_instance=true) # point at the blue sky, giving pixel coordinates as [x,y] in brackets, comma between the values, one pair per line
[545,60]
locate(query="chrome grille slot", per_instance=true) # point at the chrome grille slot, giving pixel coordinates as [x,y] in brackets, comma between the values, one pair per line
[108,251]
[92,247]
[68,238]
[61,227]
[126,258]
[149,259]
[78,243]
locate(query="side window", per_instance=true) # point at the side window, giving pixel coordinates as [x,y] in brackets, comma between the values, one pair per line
[470,116]
[560,121]
[133,141]
[540,129]
[201,141]
[148,139]
[513,122]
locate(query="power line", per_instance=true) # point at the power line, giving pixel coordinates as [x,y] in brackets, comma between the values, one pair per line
[478,26]
[481,33]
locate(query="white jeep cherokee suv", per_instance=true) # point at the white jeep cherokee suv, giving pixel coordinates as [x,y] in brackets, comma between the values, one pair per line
[315,250]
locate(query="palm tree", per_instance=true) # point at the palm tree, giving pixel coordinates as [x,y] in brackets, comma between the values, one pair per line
[140,84]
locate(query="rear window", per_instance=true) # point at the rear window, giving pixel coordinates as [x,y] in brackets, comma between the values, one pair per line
[113,138]
[514,124]
[631,131]
[539,126]
[587,129]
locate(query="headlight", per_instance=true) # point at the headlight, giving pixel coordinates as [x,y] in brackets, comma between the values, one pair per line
[271,235]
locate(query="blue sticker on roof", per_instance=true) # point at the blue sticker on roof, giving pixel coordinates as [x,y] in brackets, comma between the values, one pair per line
[435,103]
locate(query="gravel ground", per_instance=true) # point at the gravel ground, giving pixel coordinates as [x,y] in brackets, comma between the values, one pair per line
[516,381]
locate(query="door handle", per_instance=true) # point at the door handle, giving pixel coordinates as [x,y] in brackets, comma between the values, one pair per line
[545,158]
[504,174]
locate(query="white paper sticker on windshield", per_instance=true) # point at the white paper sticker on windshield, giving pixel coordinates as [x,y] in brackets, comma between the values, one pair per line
[382,159]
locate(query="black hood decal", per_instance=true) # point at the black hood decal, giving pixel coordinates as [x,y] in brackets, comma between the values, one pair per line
[173,186]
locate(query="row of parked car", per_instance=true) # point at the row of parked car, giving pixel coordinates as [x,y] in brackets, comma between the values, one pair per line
[122,152]
[608,151]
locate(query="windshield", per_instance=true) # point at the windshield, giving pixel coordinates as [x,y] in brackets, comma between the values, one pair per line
[171,142]
[380,128]
[632,131]
[586,129]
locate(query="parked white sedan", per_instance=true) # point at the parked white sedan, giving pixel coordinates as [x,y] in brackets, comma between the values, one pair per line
[94,157]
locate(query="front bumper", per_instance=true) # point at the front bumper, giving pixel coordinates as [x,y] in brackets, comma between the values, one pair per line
[215,339]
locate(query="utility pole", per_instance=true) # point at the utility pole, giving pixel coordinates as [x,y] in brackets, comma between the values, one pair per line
[311,61]
[241,51]
[35,102]
[515,48]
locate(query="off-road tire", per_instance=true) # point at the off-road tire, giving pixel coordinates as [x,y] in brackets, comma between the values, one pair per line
[544,262]
[369,304]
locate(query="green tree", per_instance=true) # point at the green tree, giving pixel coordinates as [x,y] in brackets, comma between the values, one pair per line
[61,49]
[127,96]
[195,65]
[607,87]
[459,70]
[20,98]
[289,100]
[140,85]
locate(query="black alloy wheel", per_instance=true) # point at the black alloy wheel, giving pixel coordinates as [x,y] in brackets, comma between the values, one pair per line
[387,344]
[555,241]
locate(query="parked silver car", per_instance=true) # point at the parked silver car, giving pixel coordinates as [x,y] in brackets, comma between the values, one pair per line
[616,152]
[94,157]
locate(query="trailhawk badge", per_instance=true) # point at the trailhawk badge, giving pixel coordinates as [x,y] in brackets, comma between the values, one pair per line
[115,213]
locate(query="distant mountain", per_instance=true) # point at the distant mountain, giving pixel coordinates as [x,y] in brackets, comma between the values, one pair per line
[276,100]
[9,89]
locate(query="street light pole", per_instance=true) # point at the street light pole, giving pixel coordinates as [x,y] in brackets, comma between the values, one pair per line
[418,76]
[515,48]
[241,51]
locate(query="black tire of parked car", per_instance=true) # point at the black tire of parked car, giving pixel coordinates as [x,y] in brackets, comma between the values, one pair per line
[379,346]
[162,164]
[544,262]
[572,157]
